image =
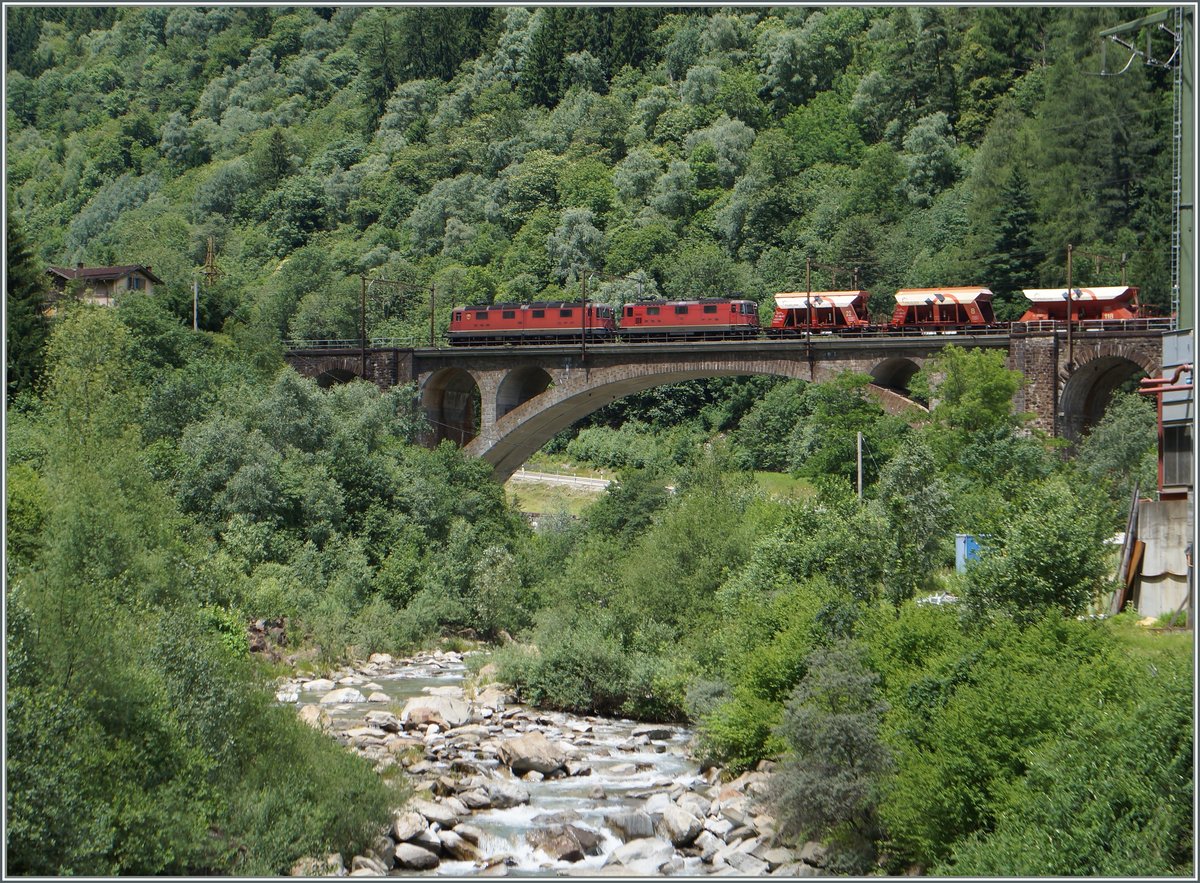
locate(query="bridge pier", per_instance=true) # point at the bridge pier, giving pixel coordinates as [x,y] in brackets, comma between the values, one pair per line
[1068,388]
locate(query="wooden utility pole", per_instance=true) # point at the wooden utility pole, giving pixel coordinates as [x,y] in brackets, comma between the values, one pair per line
[859,445]
[1070,312]
[432,314]
[583,322]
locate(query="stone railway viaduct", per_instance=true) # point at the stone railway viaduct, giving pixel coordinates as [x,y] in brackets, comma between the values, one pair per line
[504,402]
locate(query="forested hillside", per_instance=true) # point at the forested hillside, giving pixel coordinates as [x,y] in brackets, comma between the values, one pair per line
[501,153]
[167,487]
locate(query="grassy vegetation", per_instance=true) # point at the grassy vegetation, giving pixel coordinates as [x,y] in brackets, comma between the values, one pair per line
[1149,642]
[780,484]
[560,464]
[550,499]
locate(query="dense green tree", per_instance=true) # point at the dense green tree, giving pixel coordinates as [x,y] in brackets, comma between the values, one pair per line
[1050,555]
[1122,449]
[970,391]
[27,328]
[913,505]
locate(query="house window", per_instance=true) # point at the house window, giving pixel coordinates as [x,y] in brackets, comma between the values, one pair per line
[136,283]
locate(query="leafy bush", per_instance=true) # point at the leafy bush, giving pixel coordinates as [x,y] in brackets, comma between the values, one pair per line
[1125,810]
[1050,556]
[829,784]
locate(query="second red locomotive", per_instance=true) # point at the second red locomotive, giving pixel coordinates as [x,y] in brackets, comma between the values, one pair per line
[714,318]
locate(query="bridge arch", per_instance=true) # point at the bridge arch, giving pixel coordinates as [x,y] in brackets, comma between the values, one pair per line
[1087,391]
[335,377]
[518,434]
[519,386]
[451,401]
[895,373]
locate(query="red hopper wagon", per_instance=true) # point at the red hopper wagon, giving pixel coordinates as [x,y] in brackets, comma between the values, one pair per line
[1087,304]
[820,311]
[941,309]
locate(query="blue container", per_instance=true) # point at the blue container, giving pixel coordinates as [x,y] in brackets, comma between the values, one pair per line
[966,548]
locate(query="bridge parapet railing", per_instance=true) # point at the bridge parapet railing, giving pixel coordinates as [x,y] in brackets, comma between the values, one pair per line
[378,343]
[1157,323]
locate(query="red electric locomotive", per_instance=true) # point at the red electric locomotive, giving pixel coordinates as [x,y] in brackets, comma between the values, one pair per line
[943,309]
[550,322]
[714,318]
[822,312]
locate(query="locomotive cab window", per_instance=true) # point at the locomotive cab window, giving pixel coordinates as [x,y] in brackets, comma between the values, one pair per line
[629,311]
[710,308]
[508,314]
[538,314]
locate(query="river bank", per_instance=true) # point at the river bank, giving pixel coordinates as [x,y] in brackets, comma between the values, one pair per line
[503,789]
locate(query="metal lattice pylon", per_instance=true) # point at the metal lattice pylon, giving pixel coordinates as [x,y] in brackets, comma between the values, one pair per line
[1176,163]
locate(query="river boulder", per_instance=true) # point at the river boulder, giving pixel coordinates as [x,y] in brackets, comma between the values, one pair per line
[652,731]
[645,856]
[344,695]
[457,847]
[568,843]
[383,720]
[411,857]
[503,793]
[366,866]
[814,853]
[444,710]
[444,815]
[531,751]
[407,825]
[629,826]
[678,826]
[316,717]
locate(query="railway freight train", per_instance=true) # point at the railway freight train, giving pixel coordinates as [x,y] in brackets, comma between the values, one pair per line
[962,309]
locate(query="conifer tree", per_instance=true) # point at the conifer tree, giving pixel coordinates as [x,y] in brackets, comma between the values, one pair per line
[26,326]
[1011,263]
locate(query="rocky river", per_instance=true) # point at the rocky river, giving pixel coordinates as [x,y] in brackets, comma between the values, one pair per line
[501,789]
